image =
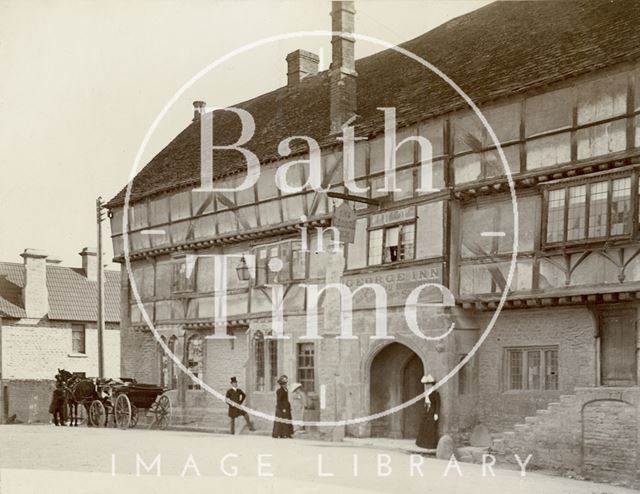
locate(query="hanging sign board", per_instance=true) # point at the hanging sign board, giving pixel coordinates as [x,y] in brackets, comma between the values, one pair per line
[344,219]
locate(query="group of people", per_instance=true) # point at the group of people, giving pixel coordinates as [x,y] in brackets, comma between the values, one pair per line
[281,429]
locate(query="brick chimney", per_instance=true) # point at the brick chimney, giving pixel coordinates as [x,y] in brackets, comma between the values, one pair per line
[34,294]
[342,72]
[300,64]
[198,109]
[90,263]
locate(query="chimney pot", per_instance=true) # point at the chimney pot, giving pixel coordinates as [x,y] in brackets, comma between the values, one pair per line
[35,295]
[301,64]
[198,109]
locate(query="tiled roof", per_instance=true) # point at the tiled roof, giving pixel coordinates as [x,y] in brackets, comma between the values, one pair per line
[500,49]
[71,296]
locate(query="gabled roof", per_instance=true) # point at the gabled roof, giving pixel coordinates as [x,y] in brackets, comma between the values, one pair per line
[71,296]
[500,49]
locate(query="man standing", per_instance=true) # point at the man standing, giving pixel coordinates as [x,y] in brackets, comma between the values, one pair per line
[236,395]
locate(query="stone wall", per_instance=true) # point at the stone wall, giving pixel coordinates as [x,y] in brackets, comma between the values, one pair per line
[594,433]
[571,329]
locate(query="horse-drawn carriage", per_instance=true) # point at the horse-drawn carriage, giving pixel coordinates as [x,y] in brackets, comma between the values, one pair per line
[123,399]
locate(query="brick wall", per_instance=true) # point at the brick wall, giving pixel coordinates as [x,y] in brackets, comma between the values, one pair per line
[595,432]
[36,352]
[572,329]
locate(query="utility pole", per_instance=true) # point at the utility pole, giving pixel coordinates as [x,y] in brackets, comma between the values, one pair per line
[100,219]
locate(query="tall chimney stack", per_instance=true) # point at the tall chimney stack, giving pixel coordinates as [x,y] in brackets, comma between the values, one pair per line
[342,72]
[35,295]
[300,64]
[90,263]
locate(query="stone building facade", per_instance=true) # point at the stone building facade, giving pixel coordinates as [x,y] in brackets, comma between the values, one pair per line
[565,111]
[48,322]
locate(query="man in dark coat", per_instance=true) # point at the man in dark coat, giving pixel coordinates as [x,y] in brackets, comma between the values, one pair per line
[56,408]
[236,395]
[428,431]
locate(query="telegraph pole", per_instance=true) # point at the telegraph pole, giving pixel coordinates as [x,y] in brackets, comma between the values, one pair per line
[100,219]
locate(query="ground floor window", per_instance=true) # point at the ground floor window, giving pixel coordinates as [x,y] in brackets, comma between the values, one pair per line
[532,369]
[265,352]
[306,366]
[195,359]
[171,375]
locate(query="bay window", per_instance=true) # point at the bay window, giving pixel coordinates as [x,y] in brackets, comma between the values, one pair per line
[596,210]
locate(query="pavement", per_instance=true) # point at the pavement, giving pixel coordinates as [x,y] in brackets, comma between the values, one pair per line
[48,459]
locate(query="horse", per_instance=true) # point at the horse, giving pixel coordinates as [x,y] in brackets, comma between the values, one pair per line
[78,391]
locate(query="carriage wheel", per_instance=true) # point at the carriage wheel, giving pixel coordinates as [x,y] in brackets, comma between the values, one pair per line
[162,412]
[134,416]
[122,411]
[97,413]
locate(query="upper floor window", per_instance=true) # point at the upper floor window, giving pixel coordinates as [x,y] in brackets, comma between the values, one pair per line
[392,244]
[294,263]
[596,210]
[532,369]
[78,335]
[184,274]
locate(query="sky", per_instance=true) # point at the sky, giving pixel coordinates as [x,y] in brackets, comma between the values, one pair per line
[81,81]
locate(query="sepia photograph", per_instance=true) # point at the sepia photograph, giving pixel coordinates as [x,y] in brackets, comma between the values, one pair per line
[320,246]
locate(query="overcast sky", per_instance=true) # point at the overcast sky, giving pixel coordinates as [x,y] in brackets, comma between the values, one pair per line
[81,82]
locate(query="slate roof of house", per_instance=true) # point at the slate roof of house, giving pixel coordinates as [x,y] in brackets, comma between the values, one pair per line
[500,49]
[71,296]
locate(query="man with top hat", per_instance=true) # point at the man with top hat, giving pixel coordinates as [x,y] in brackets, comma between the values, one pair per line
[236,395]
[428,431]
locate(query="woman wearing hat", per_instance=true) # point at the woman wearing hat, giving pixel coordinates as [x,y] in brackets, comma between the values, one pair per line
[428,432]
[283,410]
[298,405]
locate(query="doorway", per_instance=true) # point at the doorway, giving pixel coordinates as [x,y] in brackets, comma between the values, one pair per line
[618,342]
[394,378]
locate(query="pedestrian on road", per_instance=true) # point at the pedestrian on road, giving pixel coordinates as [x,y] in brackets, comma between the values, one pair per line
[56,408]
[298,405]
[283,410]
[236,395]
[428,432]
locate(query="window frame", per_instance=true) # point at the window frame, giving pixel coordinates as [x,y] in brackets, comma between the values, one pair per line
[524,378]
[385,231]
[82,329]
[588,182]
[191,385]
[311,367]
[269,371]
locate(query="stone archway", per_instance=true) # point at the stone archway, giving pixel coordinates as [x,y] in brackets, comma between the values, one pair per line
[394,378]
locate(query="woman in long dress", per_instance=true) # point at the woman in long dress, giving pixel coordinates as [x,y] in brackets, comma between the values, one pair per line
[283,411]
[428,432]
[298,405]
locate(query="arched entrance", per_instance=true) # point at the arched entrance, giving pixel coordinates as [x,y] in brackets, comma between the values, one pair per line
[394,378]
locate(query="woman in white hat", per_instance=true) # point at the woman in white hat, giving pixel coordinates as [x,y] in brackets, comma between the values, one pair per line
[298,404]
[428,432]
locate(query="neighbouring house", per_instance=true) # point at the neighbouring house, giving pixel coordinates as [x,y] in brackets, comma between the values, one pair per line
[557,377]
[49,321]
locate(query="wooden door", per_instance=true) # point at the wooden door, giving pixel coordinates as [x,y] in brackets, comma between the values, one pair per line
[412,387]
[618,348]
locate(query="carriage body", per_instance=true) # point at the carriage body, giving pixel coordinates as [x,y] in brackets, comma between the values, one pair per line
[127,400]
